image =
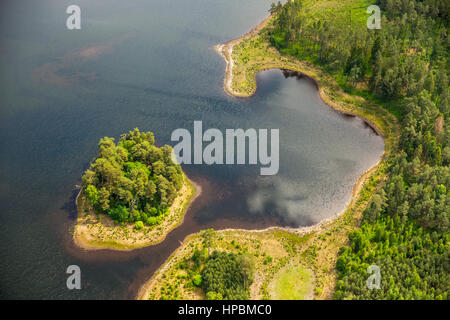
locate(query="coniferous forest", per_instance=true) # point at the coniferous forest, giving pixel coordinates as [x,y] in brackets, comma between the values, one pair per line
[403,66]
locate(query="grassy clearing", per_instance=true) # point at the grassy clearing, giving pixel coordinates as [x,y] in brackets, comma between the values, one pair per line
[293,283]
[347,11]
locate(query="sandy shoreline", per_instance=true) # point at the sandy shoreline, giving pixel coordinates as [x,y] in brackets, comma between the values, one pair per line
[91,233]
[226,50]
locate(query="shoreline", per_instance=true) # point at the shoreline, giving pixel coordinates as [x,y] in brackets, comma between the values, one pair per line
[334,106]
[144,288]
[86,240]
[226,50]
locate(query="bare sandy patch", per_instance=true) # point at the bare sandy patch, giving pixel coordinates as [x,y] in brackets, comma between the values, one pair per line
[98,231]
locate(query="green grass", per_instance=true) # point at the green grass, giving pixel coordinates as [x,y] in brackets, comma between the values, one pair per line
[293,284]
[346,11]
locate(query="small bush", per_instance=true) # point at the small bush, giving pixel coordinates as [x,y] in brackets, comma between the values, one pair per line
[268,260]
[197,280]
[138,225]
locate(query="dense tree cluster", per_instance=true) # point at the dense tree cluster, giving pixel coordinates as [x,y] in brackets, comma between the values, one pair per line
[413,262]
[405,229]
[221,275]
[133,181]
[227,276]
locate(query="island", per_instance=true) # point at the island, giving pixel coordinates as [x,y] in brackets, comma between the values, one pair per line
[397,218]
[133,194]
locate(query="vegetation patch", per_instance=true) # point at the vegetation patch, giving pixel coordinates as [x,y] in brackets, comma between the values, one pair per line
[292,283]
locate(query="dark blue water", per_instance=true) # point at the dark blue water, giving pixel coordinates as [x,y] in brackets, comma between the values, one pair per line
[148,64]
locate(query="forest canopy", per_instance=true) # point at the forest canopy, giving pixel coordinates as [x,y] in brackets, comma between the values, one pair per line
[133,180]
[403,67]
[227,276]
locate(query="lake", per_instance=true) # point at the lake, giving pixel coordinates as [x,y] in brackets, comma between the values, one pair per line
[151,65]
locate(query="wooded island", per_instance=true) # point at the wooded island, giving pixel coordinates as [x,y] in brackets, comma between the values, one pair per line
[136,187]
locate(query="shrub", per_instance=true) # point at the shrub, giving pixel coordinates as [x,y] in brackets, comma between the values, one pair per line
[151,221]
[268,260]
[211,295]
[138,225]
[197,280]
[119,213]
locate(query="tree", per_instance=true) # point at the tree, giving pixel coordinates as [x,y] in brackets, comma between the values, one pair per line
[92,195]
[248,268]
